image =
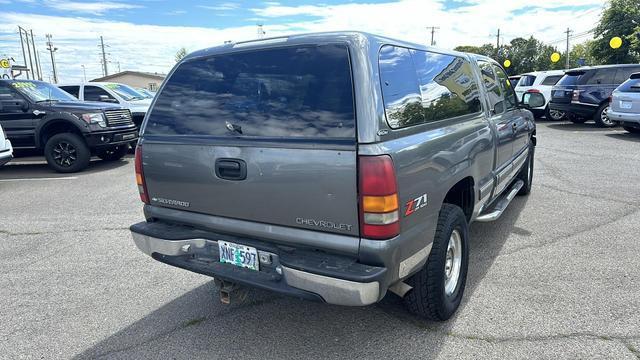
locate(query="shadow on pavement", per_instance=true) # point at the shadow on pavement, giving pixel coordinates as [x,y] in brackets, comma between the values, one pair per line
[17,169]
[569,126]
[625,136]
[268,325]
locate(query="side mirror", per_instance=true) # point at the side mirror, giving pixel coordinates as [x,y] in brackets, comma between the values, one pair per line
[105,98]
[532,100]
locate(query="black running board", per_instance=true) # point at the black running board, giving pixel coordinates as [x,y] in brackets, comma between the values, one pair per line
[501,204]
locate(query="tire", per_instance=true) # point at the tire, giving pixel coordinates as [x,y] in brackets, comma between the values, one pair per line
[67,153]
[432,297]
[601,118]
[632,129]
[554,115]
[526,173]
[113,153]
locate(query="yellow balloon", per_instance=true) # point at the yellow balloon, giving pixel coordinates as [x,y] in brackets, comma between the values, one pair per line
[555,57]
[615,42]
[507,63]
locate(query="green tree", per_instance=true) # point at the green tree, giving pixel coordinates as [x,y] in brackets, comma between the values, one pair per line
[622,19]
[582,51]
[486,50]
[181,54]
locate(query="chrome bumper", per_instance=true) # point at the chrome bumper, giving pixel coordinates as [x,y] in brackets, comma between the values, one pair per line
[332,290]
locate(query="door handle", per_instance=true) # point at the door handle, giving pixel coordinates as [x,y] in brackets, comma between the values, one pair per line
[231,169]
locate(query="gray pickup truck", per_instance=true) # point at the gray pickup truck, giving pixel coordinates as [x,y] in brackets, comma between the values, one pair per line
[331,167]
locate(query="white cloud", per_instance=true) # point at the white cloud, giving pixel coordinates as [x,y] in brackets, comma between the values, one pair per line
[152,48]
[95,8]
[226,6]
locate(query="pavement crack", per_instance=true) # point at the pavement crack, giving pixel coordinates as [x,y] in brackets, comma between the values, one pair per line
[632,348]
[27,233]
[574,335]
[632,203]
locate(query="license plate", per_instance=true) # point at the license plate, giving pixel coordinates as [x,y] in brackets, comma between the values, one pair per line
[128,136]
[625,104]
[238,255]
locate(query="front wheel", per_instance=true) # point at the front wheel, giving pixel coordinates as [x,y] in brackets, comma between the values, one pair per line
[602,117]
[113,153]
[632,129]
[555,115]
[438,287]
[67,152]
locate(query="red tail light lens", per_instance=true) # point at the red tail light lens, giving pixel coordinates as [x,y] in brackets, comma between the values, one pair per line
[379,217]
[533,91]
[142,186]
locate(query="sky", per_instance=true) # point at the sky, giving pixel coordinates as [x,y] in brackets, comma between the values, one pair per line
[144,35]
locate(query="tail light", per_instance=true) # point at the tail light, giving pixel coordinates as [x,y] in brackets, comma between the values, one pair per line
[610,99]
[576,95]
[533,91]
[142,186]
[379,217]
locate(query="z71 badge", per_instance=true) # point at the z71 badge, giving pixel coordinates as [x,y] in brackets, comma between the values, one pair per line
[415,204]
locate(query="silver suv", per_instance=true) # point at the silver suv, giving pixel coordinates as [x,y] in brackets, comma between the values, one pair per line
[333,167]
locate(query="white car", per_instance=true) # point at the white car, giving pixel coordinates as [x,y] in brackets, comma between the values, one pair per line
[542,82]
[114,93]
[6,151]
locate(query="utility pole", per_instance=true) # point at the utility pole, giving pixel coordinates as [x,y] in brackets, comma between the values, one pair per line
[84,73]
[52,50]
[104,58]
[24,56]
[118,65]
[433,31]
[35,56]
[567,53]
[260,31]
[498,45]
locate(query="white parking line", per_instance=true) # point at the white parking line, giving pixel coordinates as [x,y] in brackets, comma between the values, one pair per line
[41,179]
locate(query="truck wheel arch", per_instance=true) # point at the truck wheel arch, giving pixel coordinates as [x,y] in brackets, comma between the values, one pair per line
[462,195]
[55,125]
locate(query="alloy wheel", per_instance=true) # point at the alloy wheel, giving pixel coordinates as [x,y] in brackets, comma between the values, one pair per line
[453,262]
[65,154]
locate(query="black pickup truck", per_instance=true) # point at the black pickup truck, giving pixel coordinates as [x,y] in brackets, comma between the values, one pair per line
[38,115]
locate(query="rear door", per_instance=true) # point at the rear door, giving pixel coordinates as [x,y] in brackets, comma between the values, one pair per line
[16,122]
[519,124]
[260,135]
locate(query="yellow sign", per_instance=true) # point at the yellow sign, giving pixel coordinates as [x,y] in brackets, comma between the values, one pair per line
[615,42]
[507,63]
[4,63]
[555,57]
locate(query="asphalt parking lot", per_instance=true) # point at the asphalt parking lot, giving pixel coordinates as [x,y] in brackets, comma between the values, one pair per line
[556,277]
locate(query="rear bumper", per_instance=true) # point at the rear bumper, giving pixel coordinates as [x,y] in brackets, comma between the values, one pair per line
[580,109]
[630,119]
[310,275]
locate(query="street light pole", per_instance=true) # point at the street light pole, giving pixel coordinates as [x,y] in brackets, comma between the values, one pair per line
[84,73]
[52,50]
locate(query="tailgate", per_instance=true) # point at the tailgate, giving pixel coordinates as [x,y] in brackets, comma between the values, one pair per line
[561,95]
[264,135]
[306,188]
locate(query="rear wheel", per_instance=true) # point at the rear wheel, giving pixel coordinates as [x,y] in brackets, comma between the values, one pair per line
[632,129]
[67,152]
[602,117]
[438,287]
[555,115]
[113,153]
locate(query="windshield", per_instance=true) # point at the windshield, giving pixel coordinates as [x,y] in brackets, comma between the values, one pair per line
[571,78]
[41,91]
[126,92]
